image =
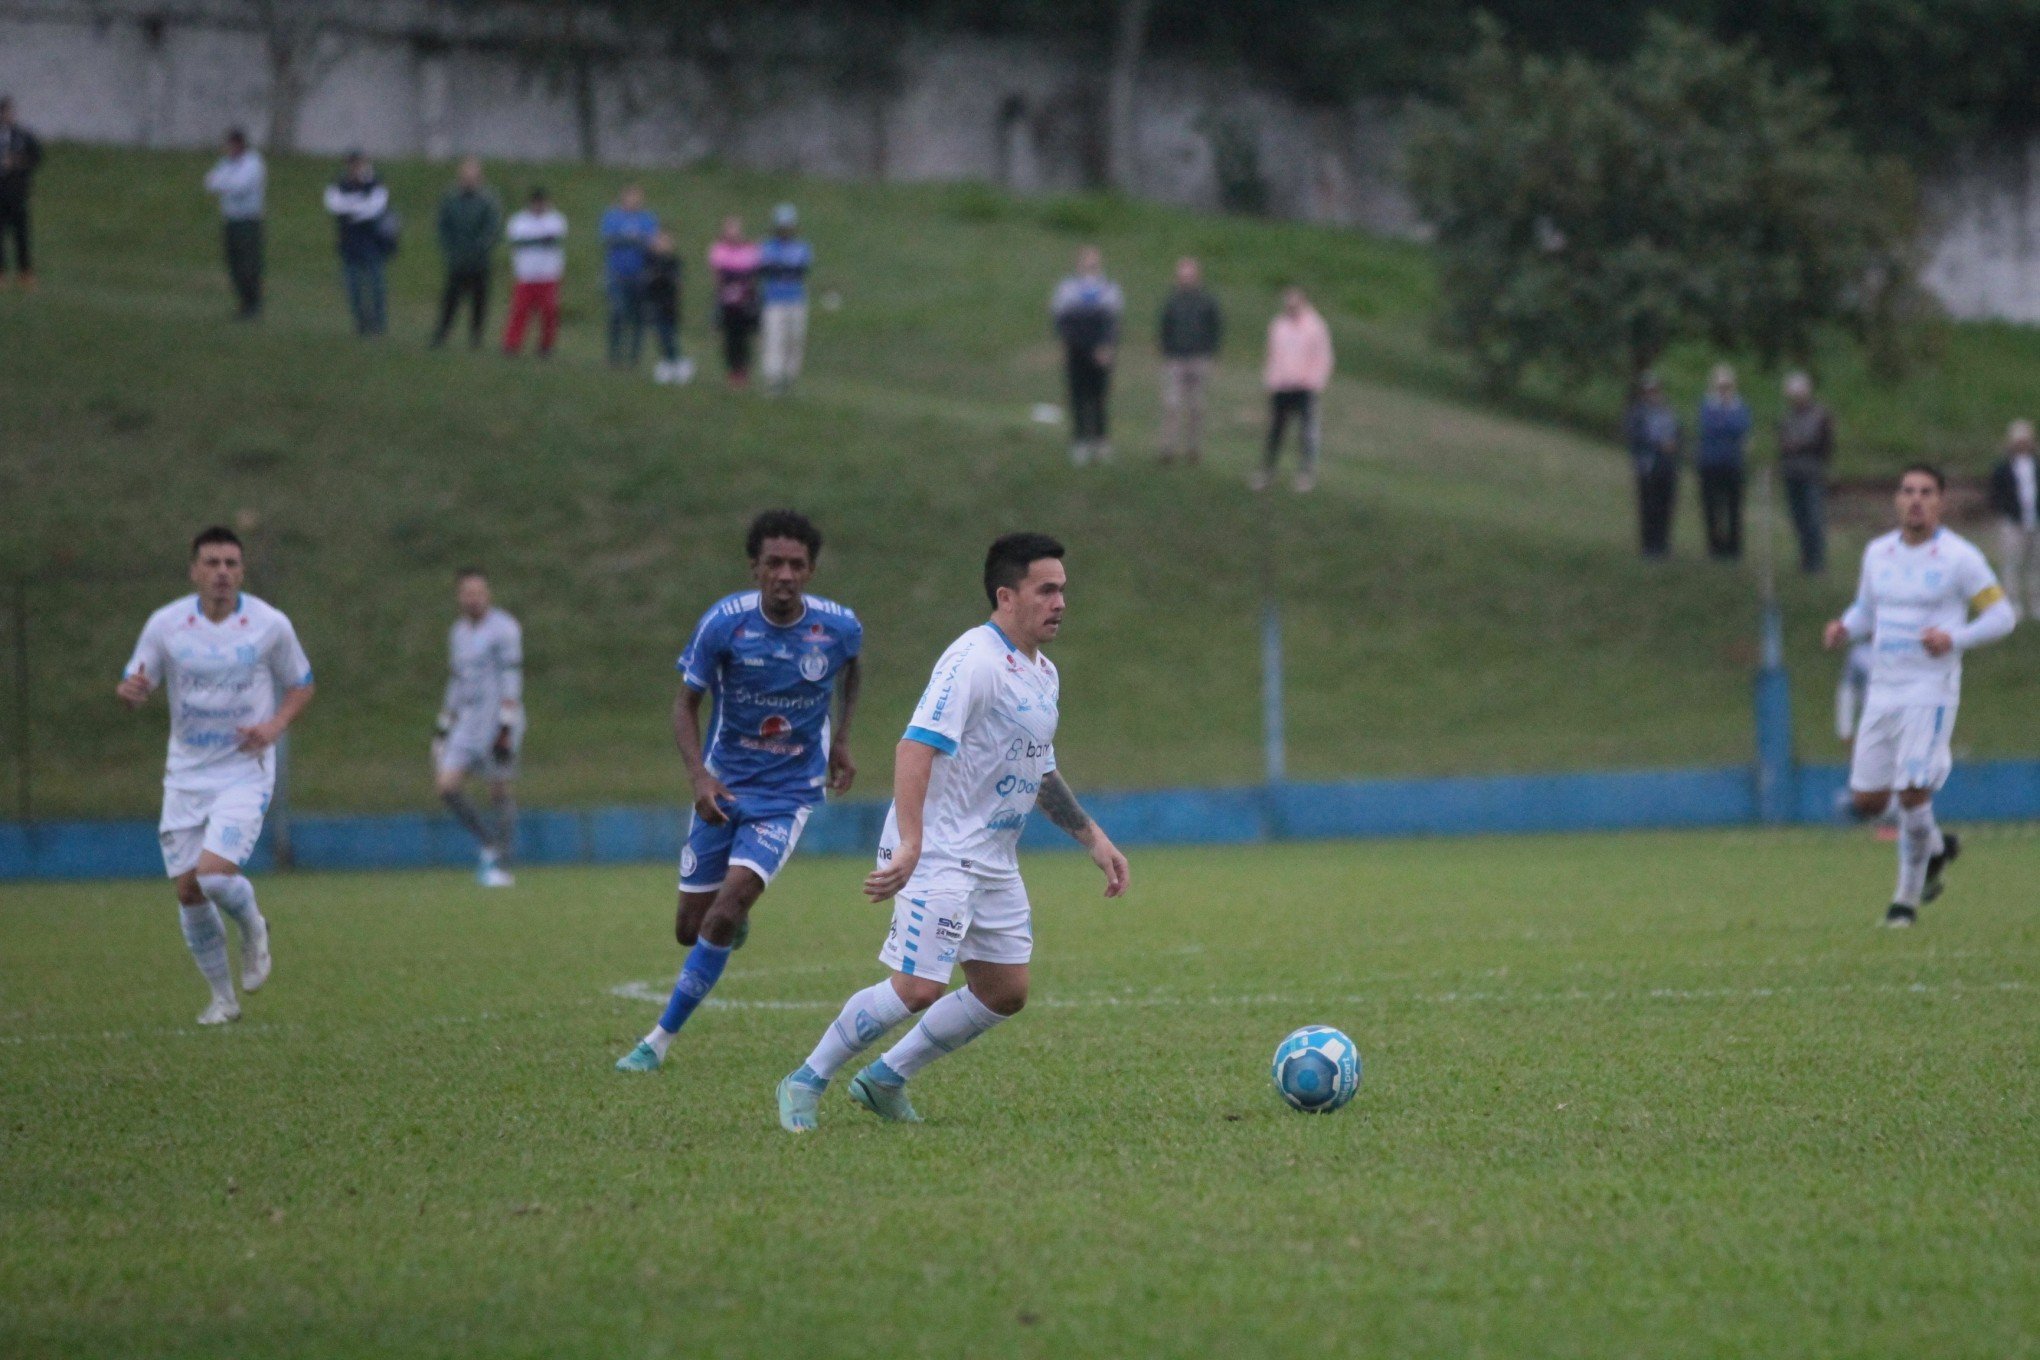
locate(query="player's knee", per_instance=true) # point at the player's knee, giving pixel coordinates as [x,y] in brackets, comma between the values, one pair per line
[917,994]
[1868,805]
[1008,1004]
[189,894]
[1914,798]
[719,926]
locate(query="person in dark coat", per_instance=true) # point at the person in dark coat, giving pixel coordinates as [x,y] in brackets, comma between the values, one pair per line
[1723,463]
[1656,442]
[2015,497]
[358,202]
[1192,327]
[470,224]
[20,157]
[1806,447]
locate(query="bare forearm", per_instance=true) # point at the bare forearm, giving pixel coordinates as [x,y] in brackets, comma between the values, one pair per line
[687,731]
[294,703]
[1058,802]
[853,682]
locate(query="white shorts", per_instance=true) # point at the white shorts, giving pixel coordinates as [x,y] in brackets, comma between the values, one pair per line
[934,929]
[1903,746]
[464,753]
[226,821]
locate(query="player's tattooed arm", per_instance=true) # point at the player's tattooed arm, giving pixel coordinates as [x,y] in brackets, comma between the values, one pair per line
[1058,802]
[1062,808]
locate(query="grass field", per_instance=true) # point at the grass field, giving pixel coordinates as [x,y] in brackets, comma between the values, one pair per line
[1648,1095]
[1462,594]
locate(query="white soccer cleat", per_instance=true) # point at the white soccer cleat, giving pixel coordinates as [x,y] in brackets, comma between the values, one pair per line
[223,1011]
[255,964]
[495,876]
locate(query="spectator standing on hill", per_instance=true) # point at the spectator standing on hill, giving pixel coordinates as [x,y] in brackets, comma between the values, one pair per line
[470,223]
[1297,371]
[1724,443]
[662,309]
[2015,496]
[1192,327]
[1656,441]
[537,234]
[239,180]
[20,157]
[783,264]
[358,202]
[1086,310]
[1806,448]
[734,262]
[627,232]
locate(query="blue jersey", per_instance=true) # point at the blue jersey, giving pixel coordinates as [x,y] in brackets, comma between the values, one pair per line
[771,684]
[783,265]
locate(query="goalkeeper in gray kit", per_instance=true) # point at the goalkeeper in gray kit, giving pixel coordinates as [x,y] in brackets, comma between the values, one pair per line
[481,722]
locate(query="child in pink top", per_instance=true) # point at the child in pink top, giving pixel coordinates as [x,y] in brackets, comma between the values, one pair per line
[734,261]
[1298,369]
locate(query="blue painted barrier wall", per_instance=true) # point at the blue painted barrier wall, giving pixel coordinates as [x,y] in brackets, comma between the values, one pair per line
[2000,790]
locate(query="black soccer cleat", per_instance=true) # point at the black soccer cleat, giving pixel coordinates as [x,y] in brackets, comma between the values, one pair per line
[1951,847]
[1899,917]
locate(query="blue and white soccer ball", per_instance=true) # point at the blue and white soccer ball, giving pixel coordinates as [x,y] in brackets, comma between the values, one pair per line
[1317,1069]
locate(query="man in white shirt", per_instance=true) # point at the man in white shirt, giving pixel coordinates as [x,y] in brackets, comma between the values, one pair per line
[235,678]
[2015,496]
[1919,587]
[239,179]
[537,234]
[978,754]
[481,721]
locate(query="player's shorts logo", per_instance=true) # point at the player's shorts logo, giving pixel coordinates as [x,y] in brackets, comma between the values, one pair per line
[813,666]
[686,861]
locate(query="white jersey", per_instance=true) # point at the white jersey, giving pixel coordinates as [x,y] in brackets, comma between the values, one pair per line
[222,677]
[1906,590]
[485,686]
[991,714]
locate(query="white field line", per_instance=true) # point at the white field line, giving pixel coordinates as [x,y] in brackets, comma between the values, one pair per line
[655,992]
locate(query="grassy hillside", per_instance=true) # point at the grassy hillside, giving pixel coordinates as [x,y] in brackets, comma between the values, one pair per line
[1462,594]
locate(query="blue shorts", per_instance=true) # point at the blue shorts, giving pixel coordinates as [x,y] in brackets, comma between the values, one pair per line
[760,844]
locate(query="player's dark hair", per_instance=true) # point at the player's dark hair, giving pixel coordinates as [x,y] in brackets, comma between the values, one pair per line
[1010,557]
[466,572]
[1926,470]
[219,533]
[784,524]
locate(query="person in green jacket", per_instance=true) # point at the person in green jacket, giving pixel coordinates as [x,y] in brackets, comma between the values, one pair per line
[470,221]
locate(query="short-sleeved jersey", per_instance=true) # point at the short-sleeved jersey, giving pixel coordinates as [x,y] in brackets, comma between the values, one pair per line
[1906,590]
[771,684]
[221,677]
[485,660]
[990,712]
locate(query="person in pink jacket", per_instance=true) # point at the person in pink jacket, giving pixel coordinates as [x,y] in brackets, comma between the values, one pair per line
[1298,369]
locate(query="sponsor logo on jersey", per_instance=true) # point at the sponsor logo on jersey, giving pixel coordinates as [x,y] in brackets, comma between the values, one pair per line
[775,725]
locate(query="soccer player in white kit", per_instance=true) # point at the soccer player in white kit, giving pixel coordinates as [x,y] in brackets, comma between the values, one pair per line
[1920,585]
[978,755]
[481,721]
[235,678]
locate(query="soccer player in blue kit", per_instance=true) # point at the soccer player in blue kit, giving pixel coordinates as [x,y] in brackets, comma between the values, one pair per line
[772,659]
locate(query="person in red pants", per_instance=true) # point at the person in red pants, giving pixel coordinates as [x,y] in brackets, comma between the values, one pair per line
[537,234]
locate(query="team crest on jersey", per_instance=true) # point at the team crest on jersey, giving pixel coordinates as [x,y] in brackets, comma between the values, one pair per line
[814,665]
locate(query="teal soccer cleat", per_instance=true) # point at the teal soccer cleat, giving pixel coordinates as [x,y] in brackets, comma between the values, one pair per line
[643,1058]
[797,1106]
[887,1100]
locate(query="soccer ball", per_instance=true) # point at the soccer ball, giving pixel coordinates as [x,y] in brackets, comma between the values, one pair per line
[1317,1069]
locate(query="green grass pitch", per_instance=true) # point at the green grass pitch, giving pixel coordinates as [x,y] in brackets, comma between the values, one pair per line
[1666,1095]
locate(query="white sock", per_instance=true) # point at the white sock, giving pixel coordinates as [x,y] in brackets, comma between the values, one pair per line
[946,1026]
[207,938]
[1917,835]
[660,1040]
[865,1019]
[235,895]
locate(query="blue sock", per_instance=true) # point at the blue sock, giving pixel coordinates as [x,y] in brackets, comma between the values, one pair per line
[808,1077]
[882,1073]
[704,965]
